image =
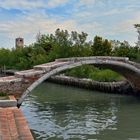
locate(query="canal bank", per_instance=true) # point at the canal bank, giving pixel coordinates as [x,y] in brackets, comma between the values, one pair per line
[120,87]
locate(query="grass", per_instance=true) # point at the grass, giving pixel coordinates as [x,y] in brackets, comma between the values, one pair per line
[3,96]
[91,72]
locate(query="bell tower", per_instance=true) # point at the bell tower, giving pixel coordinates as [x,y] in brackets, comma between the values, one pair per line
[19,42]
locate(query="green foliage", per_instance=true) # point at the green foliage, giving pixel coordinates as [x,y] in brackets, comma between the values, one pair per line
[136,25]
[137,57]
[2,94]
[126,51]
[122,51]
[23,58]
[105,76]
[4,56]
[107,47]
[101,47]
[91,72]
[65,44]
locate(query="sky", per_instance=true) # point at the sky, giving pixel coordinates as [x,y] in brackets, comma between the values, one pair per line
[111,19]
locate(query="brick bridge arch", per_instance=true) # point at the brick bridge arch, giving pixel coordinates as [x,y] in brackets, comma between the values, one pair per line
[129,69]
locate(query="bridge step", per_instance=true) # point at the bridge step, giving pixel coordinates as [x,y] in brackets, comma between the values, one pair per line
[49,66]
[9,79]
[28,73]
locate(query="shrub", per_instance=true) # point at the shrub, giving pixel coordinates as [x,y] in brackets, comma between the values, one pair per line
[89,71]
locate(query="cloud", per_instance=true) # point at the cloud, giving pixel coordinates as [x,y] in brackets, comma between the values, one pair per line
[103,17]
[91,3]
[124,30]
[55,3]
[126,26]
[21,4]
[30,4]
[86,2]
[28,26]
[114,12]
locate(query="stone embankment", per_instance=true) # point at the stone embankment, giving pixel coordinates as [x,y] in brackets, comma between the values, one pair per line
[121,87]
[13,85]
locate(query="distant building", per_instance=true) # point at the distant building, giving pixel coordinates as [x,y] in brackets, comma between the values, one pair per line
[19,42]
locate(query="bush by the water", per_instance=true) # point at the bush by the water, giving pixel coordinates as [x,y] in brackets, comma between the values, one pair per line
[91,72]
[3,94]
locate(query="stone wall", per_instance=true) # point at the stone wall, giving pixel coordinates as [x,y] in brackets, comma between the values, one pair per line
[16,86]
[122,87]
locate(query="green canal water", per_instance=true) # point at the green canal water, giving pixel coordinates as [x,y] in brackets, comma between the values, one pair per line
[57,112]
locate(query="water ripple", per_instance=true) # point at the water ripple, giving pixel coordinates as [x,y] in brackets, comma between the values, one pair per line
[81,115]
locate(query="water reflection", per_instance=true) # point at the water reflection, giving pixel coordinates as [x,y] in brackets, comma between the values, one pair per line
[56,112]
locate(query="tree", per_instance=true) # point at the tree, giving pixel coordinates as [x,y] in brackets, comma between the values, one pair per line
[122,51]
[67,44]
[137,26]
[44,42]
[97,46]
[107,47]
[78,39]
[79,45]
[101,47]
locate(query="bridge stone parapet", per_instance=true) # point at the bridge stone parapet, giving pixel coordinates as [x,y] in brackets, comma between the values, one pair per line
[137,65]
[74,59]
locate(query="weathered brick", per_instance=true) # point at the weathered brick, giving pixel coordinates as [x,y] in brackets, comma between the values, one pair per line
[13,125]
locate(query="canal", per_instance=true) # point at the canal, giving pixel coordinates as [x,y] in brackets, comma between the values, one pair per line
[57,112]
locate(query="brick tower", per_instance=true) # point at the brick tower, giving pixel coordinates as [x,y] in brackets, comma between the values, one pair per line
[19,42]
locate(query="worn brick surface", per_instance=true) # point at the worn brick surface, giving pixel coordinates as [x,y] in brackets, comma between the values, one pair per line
[13,125]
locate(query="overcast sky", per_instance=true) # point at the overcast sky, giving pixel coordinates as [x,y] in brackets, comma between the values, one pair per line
[111,19]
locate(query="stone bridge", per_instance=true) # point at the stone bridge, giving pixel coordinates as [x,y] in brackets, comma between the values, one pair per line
[23,82]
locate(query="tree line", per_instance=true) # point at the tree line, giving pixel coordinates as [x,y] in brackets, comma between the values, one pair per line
[64,44]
